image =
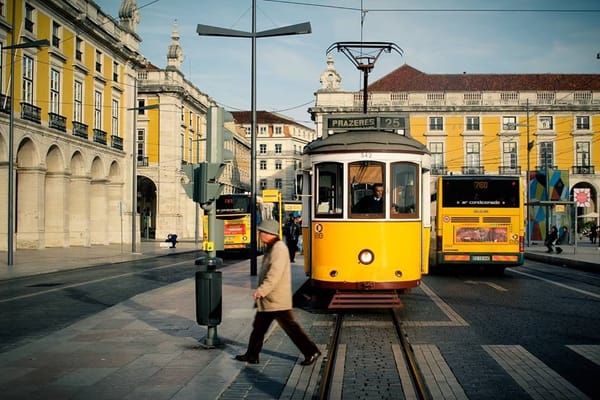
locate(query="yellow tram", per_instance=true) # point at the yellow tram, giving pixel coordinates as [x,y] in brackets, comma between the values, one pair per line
[363,249]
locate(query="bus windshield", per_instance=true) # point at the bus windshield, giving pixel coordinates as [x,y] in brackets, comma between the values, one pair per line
[481,192]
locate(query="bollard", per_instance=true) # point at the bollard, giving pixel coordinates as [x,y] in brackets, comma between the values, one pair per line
[209,305]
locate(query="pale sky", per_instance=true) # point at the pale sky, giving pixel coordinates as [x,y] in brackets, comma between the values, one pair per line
[436,36]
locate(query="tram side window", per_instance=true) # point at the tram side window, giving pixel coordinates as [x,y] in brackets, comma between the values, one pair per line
[405,199]
[329,193]
[367,189]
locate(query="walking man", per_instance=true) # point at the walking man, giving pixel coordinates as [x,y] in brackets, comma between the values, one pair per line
[273,298]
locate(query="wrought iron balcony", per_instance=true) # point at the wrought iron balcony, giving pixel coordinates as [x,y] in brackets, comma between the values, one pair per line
[439,170]
[99,136]
[5,103]
[31,113]
[116,142]
[583,169]
[80,130]
[545,167]
[472,169]
[57,122]
[509,170]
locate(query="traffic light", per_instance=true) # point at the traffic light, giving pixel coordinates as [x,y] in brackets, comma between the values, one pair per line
[217,135]
[189,187]
[206,182]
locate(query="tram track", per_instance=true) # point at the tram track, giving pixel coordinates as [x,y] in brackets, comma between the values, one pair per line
[342,372]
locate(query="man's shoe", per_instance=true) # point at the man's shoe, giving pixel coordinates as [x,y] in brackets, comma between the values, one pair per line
[311,359]
[245,358]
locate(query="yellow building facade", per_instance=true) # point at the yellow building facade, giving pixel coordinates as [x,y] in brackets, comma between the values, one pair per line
[72,150]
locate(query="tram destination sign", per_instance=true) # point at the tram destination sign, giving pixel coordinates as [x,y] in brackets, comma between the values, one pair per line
[362,122]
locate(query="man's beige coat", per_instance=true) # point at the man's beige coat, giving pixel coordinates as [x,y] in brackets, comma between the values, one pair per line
[275,279]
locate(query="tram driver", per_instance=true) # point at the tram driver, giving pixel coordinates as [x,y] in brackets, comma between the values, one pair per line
[372,203]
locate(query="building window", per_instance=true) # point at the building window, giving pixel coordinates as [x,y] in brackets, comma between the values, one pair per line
[472,123]
[181,146]
[582,154]
[78,102]
[263,184]
[278,148]
[509,154]
[473,154]
[28,79]
[29,18]
[97,110]
[437,157]
[582,122]
[190,147]
[115,118]
[262,148]
[509,123]
[248,130]
[115,71]
[263,165]
[547,155]
[545,122]
[54,91]
[140,108]
[56,34]
[98,61]
[278,164]
[141,144]
[278,183]
[278,130]
[436,123]
[78,49]
[262,130]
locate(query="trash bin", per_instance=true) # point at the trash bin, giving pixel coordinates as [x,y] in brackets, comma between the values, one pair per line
[209,305]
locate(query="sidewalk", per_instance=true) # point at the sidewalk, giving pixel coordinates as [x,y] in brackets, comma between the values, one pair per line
[33,262]
[585,255]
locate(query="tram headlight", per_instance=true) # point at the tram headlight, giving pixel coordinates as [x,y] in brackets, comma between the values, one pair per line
[366,257]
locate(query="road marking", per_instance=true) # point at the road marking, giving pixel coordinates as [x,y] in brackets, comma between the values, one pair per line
[562,285]
[440,380]
[490,284]
[453,316]
[108,278]
[589,351]
[534,377]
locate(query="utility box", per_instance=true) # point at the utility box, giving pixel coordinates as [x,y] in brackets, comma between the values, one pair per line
[209,305]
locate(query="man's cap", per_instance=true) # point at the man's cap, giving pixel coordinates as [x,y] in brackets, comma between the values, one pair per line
[269,226]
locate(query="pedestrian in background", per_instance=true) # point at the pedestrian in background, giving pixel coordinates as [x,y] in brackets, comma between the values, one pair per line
[291,232]
[273,298]
[551,239]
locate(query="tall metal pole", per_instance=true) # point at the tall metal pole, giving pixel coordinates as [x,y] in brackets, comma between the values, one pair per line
[11,126]
[527,178]
[134,170]
[253,231]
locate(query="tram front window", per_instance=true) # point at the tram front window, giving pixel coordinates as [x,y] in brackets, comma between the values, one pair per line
[367,189]
[329,190]
[403,190]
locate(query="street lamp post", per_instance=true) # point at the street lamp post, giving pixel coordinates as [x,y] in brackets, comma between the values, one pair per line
[11,126]
[298,29]
[134,168]
[528,178]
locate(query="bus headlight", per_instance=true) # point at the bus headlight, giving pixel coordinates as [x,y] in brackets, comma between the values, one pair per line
[366,257]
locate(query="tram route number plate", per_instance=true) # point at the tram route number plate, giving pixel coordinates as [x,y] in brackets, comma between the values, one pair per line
[480,258]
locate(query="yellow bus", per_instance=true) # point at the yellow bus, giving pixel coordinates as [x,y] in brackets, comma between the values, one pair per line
[479,220]
[235,212]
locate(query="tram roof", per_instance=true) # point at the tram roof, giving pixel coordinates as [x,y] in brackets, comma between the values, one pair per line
[383,141]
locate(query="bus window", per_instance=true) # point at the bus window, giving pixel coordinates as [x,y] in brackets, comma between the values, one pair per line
[404,190]
[328,200]
[367,189]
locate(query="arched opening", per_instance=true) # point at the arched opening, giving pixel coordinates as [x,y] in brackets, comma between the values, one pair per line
[147,206]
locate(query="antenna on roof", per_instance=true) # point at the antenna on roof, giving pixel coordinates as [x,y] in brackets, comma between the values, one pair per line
[364,62]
